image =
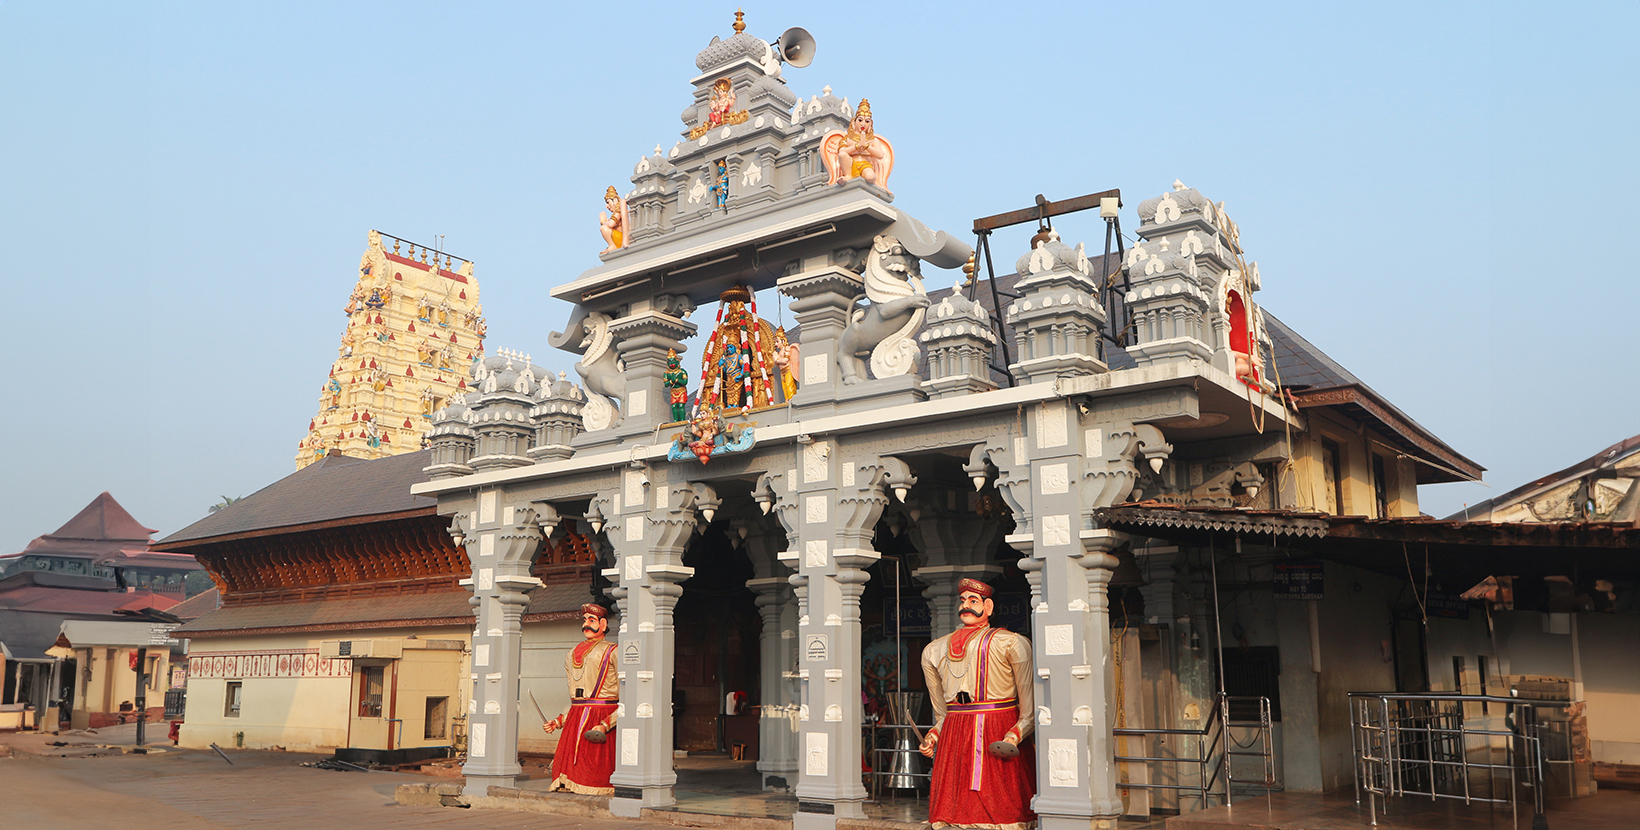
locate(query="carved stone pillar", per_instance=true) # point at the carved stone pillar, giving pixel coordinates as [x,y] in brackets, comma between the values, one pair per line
[830,515]
[955,545]
[643,339]
[501,541]
[1101,565]
[649,543]
[822,300]
[1046,480]
[777,744]
[777,605]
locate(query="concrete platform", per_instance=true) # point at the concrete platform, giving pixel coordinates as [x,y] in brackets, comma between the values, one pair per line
[1608,810]
[711,792]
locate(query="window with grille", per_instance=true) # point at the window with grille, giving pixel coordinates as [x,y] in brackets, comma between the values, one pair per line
[1253,672]
[370,692]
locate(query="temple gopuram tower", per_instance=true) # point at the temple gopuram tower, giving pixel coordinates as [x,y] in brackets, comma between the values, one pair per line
[414,329]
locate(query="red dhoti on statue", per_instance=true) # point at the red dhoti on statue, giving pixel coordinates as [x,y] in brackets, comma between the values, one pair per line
[972,787]
[580,765]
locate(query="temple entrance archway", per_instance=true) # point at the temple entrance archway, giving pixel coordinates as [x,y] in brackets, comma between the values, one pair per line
[717,650]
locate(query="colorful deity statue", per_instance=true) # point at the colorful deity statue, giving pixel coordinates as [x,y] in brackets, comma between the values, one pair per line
[720,109]
[703,433]
[720,186]
[786,357]
[708,434]
[676,381]
[612,223]
[722,102]
[738,361]
[731,371]
[859,153]
[377,298]
[979,681]
[586,753]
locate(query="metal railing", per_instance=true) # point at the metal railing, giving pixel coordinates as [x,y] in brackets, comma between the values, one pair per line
[1215,748]
[1425,744]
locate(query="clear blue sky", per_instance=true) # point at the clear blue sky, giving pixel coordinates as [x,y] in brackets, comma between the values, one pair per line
[1441,196]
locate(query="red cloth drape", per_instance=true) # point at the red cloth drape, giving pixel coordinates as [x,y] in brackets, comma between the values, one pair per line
[1006,785]
[580,765]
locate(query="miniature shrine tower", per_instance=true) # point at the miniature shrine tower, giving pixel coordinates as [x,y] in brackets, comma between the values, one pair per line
[414,329]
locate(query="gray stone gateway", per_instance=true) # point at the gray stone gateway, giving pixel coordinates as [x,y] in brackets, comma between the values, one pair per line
[897,416]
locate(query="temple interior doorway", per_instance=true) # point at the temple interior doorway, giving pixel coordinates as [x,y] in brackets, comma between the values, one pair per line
[718,630]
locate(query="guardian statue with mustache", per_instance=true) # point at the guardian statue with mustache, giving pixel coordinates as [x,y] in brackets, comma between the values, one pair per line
[586,753]
[979,680]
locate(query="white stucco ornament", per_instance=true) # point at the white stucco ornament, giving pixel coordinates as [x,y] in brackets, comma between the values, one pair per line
[1062,757]
[597,413]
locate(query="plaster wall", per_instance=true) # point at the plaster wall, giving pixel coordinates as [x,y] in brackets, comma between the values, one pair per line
[1611,684]
[1356,448]
[1468,639]
[313,713]
[1354,626]
[1611,671]
[112,682]
[541,674]
[1300,756]
[305,713]
[423,675]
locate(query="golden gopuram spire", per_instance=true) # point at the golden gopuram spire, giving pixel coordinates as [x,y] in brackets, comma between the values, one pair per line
[414,327]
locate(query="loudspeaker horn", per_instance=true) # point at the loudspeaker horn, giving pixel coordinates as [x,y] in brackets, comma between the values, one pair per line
[796,47]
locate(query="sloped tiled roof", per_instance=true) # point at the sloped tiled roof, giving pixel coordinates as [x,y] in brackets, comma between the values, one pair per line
[41,599]
[1300,364]
[1606,458]
[99,529]
[198,605]
[440,608]
[334,487]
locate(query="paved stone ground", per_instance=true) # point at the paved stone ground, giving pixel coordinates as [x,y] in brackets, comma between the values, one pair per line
[194,790]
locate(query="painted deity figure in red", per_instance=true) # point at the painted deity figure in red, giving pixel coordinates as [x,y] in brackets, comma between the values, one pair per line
[586,753]
[979,680]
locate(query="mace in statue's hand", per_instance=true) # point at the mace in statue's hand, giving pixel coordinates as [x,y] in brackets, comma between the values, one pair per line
[928,742]
[595,735]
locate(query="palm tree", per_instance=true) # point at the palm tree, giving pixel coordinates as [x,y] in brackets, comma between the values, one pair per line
[226,500]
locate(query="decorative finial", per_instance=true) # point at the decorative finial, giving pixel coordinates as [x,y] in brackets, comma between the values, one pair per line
[657,149]
[740,21]
[1178,185]
[825,90]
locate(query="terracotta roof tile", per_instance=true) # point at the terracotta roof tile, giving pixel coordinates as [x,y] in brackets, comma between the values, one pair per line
[335,487]
[374,612]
